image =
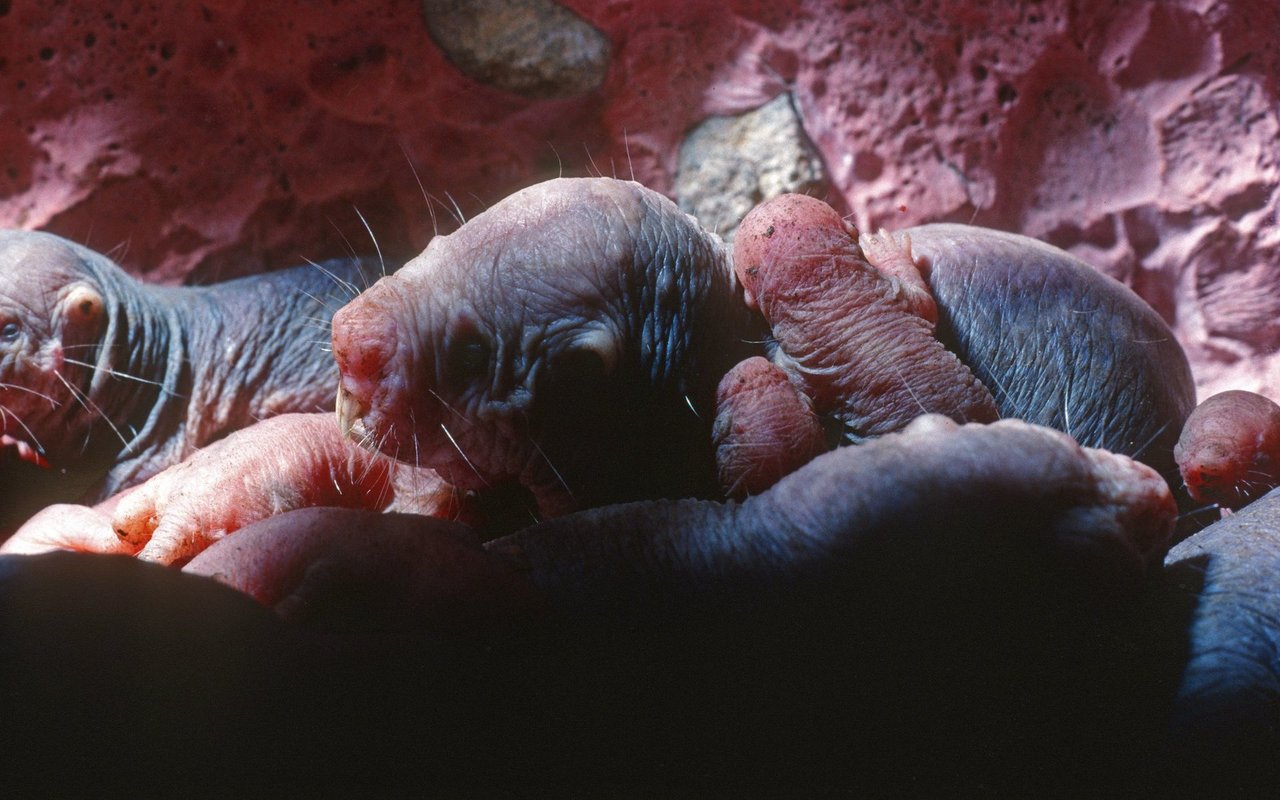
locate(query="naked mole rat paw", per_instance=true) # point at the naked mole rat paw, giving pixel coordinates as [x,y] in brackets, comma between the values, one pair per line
[137,515]
[67,527]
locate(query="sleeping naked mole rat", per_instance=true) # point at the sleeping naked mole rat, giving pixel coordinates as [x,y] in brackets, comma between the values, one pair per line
[570,338]
[109,380]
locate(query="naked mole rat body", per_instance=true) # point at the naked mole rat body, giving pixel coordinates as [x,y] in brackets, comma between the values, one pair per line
[569,338]
[110,379]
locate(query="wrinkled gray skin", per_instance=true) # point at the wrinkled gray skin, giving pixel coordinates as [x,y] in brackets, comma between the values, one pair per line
[1227,578]
[1058,343]
[172,368]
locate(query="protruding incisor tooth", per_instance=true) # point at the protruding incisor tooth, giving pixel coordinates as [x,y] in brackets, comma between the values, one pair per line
[349,413]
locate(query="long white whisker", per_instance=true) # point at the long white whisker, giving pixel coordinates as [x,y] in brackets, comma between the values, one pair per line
[376,248]
[6,413]
[1199,510]
[450,408]
[118,252]
[431,209]
[454,442]
[911,391]
[1066,409]
[386,492]
[417,456]
[367,440]
[341,282]
[117,374]
[327,303]
[462,218]
[417,459]
[52,402]
[1009,397]
[445,206]
[88,403]
[591,159]
[559,162]
[368,467]
[626,145]
[342,235]
[554,471]
[1150,440]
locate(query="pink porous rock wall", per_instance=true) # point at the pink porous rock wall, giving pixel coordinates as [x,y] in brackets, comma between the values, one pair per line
[199,141]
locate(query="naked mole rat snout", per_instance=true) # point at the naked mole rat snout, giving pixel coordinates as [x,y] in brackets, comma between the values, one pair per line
[366,343]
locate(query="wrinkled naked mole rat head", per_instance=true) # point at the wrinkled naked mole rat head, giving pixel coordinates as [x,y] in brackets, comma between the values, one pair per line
[52,318]
[451,361]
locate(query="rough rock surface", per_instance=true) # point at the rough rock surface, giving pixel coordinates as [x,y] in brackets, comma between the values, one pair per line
[202,140]
[534,48]
[729,165]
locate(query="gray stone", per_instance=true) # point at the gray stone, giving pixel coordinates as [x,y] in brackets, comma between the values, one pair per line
[729,165]
[533,48]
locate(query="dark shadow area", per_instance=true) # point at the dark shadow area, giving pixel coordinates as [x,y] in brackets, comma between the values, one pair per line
[137,680]
[26,488]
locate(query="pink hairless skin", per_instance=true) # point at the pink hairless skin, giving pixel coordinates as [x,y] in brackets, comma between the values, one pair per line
[853,319]
[286,462]
[1229,451]
[765,428]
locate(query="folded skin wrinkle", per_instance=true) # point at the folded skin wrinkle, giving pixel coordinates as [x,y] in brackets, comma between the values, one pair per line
[94,362]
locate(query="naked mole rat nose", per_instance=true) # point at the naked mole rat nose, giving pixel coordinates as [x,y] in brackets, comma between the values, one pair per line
[365,343]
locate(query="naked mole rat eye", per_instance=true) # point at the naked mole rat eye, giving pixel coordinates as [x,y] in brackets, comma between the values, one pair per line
[9,331]
[570,376]
[467,357]
[579,364]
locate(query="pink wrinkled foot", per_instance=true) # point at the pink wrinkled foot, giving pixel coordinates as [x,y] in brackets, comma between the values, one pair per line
[67,527]
[283,463]
[893,258]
